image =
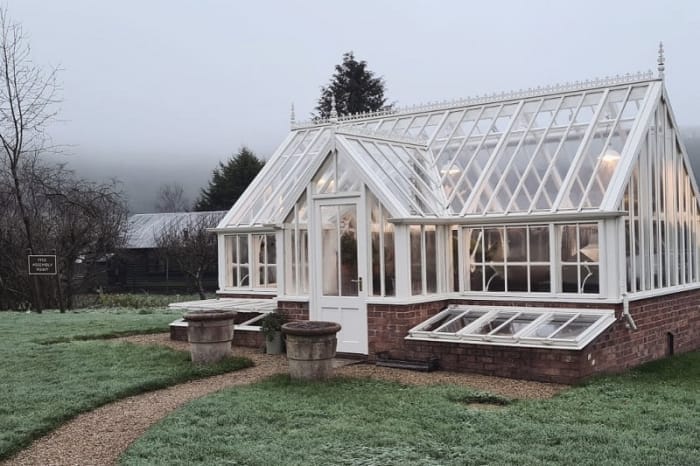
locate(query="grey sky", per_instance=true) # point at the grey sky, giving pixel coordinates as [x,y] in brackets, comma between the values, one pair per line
[159,91]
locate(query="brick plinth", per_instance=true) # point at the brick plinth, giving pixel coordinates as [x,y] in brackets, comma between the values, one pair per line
[665,324]
[293,310]
[248,338]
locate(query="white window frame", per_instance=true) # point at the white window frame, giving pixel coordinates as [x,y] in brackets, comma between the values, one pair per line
[253,263]
[524,337]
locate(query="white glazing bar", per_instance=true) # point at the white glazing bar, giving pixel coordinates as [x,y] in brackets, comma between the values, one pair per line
[382,264]
[461,146]
[530,164]
[403,262]
[473,157]
[409,196]
[283,186]
[635,251]
[384,194]
[470,203]
[574,317]
[675,214]
[658,173]
[645,183]
[638,138]
[599,158]
[550,169]
[508,321]
[418,178]
[582,149]
[442,121]
[510,163]
[451,135]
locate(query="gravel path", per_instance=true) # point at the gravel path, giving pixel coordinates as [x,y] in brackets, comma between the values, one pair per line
[99,437]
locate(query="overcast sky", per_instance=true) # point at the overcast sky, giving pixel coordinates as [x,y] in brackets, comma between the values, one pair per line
[157,91]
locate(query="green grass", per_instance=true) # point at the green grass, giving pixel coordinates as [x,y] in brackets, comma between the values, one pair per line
[51,369]
[647,416]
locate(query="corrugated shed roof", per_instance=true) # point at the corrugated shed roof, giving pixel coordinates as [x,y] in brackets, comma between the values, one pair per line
[144,229]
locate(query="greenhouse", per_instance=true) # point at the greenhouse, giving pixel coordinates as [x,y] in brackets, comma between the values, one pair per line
[540,225]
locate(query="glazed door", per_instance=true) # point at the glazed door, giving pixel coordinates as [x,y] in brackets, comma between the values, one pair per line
[340,263]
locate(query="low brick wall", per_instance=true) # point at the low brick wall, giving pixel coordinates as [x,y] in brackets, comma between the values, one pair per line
[293,310]
[248,338]
[673,318]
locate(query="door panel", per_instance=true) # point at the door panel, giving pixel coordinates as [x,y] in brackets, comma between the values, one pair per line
[339,294]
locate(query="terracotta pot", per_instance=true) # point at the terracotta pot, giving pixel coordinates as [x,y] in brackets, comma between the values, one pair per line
[310,348]
[210,334]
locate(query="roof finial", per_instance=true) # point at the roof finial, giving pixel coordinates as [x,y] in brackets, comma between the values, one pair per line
[661,61]
[292,118]
[334,111]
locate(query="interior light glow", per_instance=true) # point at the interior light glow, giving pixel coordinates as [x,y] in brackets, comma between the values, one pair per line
[611,156]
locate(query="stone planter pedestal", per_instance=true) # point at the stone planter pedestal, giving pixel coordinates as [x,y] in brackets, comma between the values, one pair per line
[210,334]
[310,348]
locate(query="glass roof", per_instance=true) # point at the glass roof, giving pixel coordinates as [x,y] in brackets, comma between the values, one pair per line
[514,326]
[545,152]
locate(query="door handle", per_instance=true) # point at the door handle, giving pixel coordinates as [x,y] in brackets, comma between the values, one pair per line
[359,283]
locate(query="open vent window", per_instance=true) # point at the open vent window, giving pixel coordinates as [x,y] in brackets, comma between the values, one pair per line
[513,326]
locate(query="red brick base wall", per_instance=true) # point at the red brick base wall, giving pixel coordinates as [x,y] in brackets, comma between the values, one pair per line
[293,310]
[617,349]
[248,338]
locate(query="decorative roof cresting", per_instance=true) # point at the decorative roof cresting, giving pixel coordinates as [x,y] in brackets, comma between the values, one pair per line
[569,86]
[661,61]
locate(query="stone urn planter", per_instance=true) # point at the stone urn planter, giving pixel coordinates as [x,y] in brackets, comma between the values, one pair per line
[310,348]
[210,334]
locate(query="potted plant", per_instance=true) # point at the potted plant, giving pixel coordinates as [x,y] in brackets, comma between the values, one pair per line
[271,327]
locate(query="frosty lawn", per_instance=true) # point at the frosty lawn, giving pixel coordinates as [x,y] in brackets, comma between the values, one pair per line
[51,371]
[648,416]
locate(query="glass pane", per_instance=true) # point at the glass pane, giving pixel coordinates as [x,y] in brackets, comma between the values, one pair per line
[329,243]
[375,246]
[271,249]
[271,277]
[549,326]
[589,243]
[244,276]
[389,268]
[324,182]
[569,279]
[494,323]
[416,264]
[430,259]
[539,244]
[462,322]
[589,279]
[454,238]
[445,316]
[493,245]
[243,249]
[517,278]
[348,250]
[539,278]
[304,261]
[517,324]
[348,180]
[569,244]
[517,244]
[575,327]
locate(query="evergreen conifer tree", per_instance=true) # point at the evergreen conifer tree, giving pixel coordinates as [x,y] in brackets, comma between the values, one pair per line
[355,88]
[229,181]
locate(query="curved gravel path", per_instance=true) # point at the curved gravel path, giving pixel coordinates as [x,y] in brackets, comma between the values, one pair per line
[99,437]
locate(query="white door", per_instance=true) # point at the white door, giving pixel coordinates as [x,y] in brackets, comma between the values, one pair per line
[340,270]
